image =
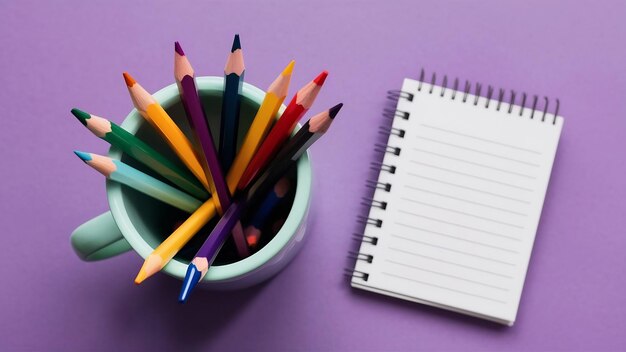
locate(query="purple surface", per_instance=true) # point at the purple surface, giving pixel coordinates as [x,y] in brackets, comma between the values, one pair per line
[56,56]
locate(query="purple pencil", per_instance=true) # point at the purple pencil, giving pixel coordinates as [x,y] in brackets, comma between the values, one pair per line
[184,75]
[209,250]
[183,72]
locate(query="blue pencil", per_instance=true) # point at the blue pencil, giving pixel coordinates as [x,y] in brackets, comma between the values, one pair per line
[200,264]
[118,171]
[231,101]
[273,198]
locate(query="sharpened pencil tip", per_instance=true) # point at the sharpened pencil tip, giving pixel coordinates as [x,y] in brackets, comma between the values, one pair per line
[81,115]
[192,277]
[150,266]
[130,81]
[178,49]
[252,236]
[236,44]
[83,156]
[321,78]
[334,110]
[289,69]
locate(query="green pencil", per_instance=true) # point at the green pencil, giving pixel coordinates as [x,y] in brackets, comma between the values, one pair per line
[118,171]
[141,152]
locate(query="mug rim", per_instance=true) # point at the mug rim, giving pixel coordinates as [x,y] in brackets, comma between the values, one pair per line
[167,96]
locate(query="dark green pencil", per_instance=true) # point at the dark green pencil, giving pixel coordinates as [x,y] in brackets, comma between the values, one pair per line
[142,152]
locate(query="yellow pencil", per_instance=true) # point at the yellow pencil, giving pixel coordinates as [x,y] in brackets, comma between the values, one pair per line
[275,96]
[168,248]
[152,111]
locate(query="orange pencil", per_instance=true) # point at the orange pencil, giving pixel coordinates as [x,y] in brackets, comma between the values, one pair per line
[152,111]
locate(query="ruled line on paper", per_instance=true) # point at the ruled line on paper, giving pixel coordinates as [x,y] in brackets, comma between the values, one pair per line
[452,250]
[469,188]
[443,287]
[482,139]
[451,263]
[457,238]
[462,213]
[465,200]
[461,225]
[470,175]
[448,275]
[474,163]
[478,151]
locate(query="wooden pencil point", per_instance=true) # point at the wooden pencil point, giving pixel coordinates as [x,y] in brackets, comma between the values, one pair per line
[252,236]
[151,266]
[178,49]
[130,81]
[83,156]
[321,78]
[289,69]
[236,44]
[332,112]
[195,272]
[81,115]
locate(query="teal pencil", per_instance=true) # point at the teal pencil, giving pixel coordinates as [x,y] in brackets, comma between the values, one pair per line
[118,171]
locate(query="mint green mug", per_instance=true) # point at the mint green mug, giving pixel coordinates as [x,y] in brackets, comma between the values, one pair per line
[138,222]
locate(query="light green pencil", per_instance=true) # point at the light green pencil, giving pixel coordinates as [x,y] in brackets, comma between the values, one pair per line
[118,171]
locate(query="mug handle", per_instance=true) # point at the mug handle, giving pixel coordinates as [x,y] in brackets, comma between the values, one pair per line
[99,238]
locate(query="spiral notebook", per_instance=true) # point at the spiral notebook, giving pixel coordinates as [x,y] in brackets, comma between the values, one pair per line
[458,198]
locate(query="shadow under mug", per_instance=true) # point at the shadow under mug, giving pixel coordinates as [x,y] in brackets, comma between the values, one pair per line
[138,222]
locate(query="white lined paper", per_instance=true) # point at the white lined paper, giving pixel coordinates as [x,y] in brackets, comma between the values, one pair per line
[464,207]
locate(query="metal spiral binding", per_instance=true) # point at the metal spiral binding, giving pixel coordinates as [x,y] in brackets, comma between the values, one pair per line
[384,148]
[391,130]
[359,237]
[396,94]
[355,273]
[378,185]
[370,202]
[360,256]
[466,90]
[369,221]
[391,114]
[384,167]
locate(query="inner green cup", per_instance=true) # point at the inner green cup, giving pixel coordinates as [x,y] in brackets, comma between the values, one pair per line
[145,222]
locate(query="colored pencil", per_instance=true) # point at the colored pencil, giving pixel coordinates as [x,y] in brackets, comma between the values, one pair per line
[262,121]
[185,80]
[199,266]
[184,75]
[181,235]
[118,171]
[231,102]
[265,116]
[310,132]
[298,106]
[265,209]
[142,152]
[152,111]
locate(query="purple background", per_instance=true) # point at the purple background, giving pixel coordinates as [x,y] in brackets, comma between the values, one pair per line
[57,56]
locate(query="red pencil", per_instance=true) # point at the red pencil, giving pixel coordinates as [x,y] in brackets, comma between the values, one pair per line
[298,106]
